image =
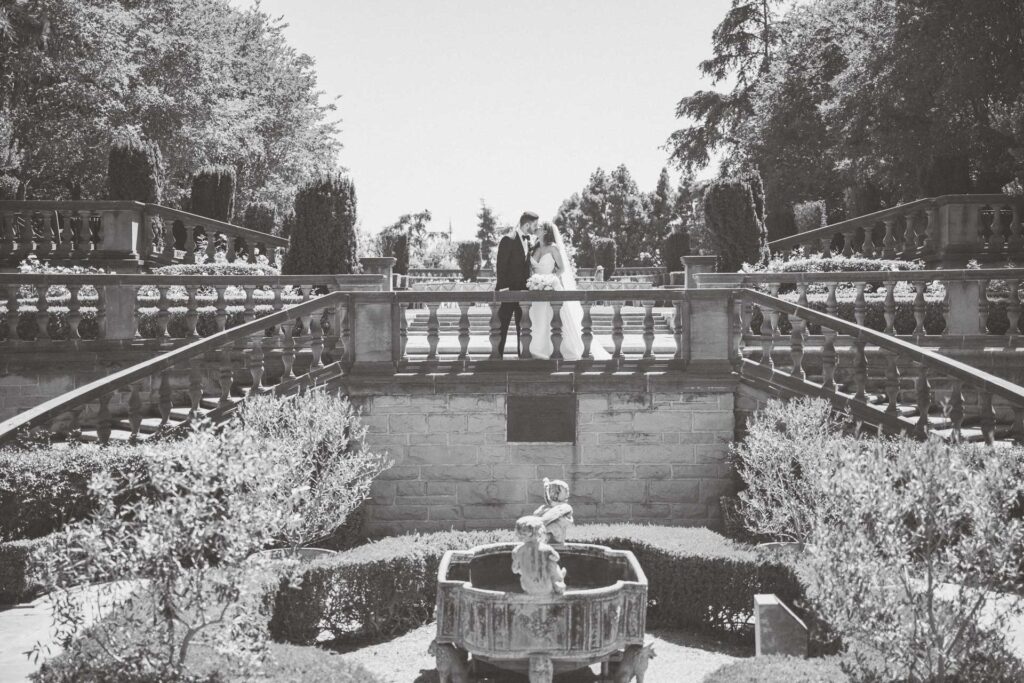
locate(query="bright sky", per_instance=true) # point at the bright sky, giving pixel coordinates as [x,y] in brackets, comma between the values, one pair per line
[447,102]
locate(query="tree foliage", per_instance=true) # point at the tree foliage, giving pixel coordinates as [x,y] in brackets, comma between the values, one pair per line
[467,255]
[323,238]
[487,230]
[134,172]
[731,214]
[213,193]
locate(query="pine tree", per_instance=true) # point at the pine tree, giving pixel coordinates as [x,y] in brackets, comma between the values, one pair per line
[736,229]
[487,231]
[323,238]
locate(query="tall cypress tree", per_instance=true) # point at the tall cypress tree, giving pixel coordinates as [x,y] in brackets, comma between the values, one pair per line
[323,236]
[134,172]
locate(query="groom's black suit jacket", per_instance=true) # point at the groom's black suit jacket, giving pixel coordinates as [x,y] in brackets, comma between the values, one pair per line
[512,265]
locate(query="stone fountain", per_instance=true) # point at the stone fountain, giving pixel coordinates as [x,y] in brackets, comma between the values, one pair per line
[541,606]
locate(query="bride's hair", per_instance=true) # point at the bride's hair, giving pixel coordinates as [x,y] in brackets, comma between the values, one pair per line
[549,234]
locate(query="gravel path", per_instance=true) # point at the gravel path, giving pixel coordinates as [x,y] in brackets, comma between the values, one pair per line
[680,657]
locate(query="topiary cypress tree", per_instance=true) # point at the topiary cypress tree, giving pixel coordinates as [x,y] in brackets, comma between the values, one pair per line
[605,254]
[323,236]
[730,214]
[674,248]
[260,216]
[134,172]
[213,193]
[467,255]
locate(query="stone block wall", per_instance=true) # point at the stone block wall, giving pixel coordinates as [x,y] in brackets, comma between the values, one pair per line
[654,455]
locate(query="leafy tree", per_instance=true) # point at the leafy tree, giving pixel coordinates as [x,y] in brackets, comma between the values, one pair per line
[467,255]
[394,242]
[409,250]
[487,230]
[605,255]
[323,238]
[732,221]
[573,225]
[809,215]
[627,211]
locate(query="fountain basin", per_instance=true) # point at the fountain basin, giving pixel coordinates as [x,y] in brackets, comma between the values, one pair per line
[482,609]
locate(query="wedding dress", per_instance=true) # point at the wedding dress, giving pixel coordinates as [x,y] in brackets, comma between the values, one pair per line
[571,316]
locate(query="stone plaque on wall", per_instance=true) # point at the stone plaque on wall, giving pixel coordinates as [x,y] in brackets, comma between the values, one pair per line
[541,418]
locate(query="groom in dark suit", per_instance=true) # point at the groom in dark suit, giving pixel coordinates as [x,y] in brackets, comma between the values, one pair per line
[513,270]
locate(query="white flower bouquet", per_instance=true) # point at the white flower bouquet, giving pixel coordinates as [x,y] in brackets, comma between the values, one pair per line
[540,282]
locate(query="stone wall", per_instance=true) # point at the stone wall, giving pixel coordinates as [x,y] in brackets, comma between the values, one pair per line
[645,451]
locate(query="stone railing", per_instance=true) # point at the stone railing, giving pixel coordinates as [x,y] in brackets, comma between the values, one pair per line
[161,307]
[123,235]
[944,308]
[948,230]
[760,348]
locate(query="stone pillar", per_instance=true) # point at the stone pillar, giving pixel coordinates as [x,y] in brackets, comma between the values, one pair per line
[957,235]
[118,303]
[382,265]
[374,335]
[120,232]
[777,631]
[964,316]
[695,265]
[677,278]
[707,335]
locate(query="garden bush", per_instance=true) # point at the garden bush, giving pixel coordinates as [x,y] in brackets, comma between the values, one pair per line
[213,193]
[18,579]
[8,187]
[217,268]
[735,224]
[467,255]
[260,216]
[780,669]
[674,248]
[809,215]
[698,580]
[605,254]
[134,172]
[323,236]
[798,263]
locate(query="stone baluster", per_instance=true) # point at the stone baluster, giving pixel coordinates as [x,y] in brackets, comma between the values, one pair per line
[163,316]
[300,320]
[103,420]
[797,335]
[829,357]
[848,242]
[191,312]
[495,333]
[190,243]
[920,308]
[955,410]
[1016,240]
[316,342]
[257,364]
[892,384]
[287,349]
[983,306]
[230,241]
[433,331]
[860,368]
[12,313]
[74,312]
[987,416]
[1013,307]
[464,329]
[277,305]
[403,330]
[135,410]
[526,329]
[67,234]
[79,231]
[42,312]
[75,421]
[909,241]
[867,247]
[889,306]
[7,221]
[588,329]
[195,387]
[168,239]
[923,389]
[221,314]
[101,313]
[617,335]
[860,306]
[336,317]
[226,378]
[680,327]
[26,240]
[932,227]
[889,239]
[648,329]
[826,246]
[249,311]
[556,330]
[996,239]
[47,244]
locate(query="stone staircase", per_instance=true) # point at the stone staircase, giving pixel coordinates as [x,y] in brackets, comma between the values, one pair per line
[480,321]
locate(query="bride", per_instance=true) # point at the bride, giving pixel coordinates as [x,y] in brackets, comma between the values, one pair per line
[551,258]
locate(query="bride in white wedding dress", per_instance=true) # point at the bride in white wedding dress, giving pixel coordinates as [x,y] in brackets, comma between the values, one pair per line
[551,258]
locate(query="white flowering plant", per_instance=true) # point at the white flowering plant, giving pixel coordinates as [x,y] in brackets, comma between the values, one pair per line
[540,282]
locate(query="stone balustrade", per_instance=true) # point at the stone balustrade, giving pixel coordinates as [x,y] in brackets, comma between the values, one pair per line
[944,231]
[123,235]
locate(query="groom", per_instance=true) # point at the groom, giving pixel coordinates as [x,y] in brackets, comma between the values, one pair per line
[513,270]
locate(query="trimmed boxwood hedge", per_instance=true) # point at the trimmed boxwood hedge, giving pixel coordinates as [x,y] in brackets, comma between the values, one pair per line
[17,579]
[698,580]
[777,669]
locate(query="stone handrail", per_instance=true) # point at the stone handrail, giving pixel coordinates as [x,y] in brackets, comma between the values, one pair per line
[973,301]
[927,362]
[160,306]
[122,234]
[948,230]
[281,334]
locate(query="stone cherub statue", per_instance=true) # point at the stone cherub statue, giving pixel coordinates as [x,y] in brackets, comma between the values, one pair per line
[555,513]
[535,561]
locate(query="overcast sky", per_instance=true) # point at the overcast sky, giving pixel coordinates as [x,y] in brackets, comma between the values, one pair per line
[447,102]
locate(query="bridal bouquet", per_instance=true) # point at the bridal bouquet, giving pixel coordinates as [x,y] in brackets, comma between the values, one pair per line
[540,282]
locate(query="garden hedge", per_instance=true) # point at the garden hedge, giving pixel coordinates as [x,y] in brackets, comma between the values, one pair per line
[698,580]
[778,669]
[17,580]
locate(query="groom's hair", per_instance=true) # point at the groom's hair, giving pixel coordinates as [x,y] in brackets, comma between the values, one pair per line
[528,217]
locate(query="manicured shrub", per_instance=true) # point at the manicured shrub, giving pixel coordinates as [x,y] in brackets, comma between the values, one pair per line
[732,219]
[42,489]
[467,255]
[213,193]
[605,254]
[260,216]
[323,238]
[833,264]
[779,669]
[810,215]
[674,248]
[134,172]
[18,580]
[698,580]
[217,268]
